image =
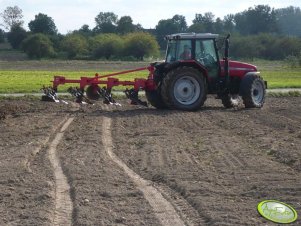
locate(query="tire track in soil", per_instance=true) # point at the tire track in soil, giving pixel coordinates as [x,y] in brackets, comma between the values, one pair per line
[45,142]
[63,204]
[163,209]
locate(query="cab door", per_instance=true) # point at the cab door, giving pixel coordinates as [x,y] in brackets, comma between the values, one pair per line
[206,55]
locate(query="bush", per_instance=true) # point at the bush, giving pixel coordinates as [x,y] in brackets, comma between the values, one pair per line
[140,45]
[244,47]
[287,46]
[294,61]
[16,35]
[106,46]
[38,46]
[56,41]
[74,45]
[266,46]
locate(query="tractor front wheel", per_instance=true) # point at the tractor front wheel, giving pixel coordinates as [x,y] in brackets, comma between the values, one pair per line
[252,90]
[184,88]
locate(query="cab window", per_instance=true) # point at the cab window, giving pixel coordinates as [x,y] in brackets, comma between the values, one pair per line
[205,54]
[178,50]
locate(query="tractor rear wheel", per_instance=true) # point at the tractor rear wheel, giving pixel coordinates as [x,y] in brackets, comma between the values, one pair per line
[155,99]
[184,88]
[252,90]
[93,92]
[230,101]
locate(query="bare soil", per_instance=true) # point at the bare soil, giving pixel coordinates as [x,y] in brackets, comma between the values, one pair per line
[132,165]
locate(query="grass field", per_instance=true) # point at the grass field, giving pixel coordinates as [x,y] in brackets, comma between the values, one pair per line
[30,76]
[32,81]
[282,79]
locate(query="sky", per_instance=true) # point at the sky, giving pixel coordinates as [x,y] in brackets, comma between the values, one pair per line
[70,15]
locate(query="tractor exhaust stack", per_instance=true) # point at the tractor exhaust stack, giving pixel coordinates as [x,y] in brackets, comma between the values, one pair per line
[226,66]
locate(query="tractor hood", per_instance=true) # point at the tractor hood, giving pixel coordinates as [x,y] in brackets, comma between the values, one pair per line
[237,69]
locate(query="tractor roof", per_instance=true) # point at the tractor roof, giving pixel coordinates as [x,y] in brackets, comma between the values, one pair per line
[191,36]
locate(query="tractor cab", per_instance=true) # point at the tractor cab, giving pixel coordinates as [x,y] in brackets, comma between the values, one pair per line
[200,48]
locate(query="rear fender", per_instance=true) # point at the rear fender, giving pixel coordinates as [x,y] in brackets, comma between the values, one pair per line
[191,63]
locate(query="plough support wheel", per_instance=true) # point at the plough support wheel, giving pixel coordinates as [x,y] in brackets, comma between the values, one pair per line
[92,92]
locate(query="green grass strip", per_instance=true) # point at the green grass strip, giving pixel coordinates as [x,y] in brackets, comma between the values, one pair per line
[282,79]
[32,81]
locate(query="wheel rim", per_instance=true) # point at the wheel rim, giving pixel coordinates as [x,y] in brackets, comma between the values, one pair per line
[257,92]
[187,90]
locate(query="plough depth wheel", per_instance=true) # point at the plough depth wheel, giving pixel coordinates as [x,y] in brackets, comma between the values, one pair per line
[93,92]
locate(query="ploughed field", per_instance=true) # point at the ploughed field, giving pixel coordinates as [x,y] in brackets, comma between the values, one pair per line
[130,165]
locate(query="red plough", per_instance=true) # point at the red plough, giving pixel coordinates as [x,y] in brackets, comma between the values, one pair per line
[101,86]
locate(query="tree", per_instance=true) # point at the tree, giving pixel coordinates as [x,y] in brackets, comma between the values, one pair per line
[289,20]
[207,20]
[260,19]
[74,44]
[38,46]
[229,25]
[106,46]
[176,24]
[2,36]
[197,28]
[125,25]
[106,22]
[141,44]
[180,21]
[138,27]
[12,17]
[218,26]
[165,27]
[16,35]
[85,30]
[42,24]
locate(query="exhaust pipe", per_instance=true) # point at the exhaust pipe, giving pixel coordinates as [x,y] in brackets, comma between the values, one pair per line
[226,58]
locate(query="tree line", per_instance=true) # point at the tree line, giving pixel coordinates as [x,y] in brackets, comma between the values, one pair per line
[259,31]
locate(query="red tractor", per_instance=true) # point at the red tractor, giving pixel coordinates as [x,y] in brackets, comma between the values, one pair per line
[191,70]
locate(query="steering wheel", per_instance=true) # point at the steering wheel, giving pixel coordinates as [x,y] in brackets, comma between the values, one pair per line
[205,58]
